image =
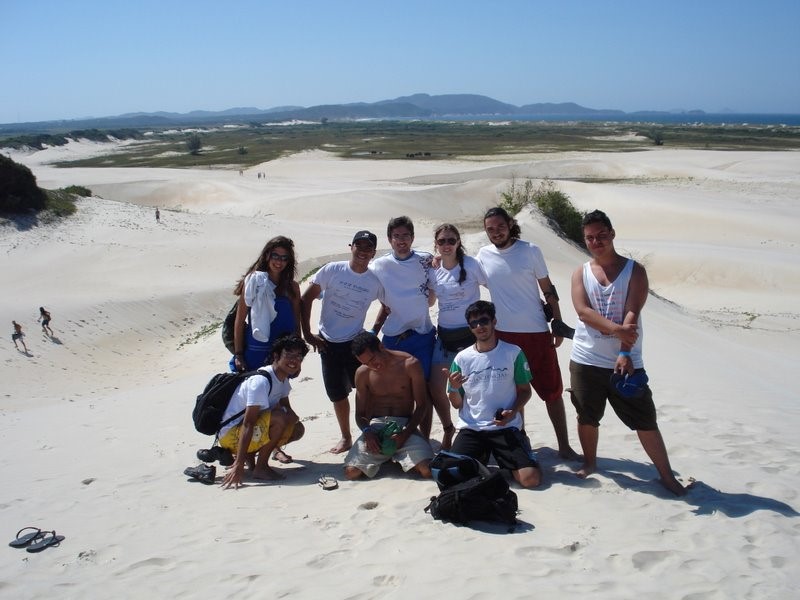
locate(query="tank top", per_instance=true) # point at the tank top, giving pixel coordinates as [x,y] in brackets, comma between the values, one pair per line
[590,346]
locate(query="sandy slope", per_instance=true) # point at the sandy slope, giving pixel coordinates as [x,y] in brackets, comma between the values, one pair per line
[97,429]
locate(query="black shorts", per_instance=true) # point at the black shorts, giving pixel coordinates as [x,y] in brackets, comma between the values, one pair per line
[338,369]
[509,446]
[591,387]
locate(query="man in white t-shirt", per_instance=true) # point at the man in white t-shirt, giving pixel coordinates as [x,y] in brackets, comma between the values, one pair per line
[268,420]
[516,272]
[348,288]
[609,293]
[489,383]
[407,278]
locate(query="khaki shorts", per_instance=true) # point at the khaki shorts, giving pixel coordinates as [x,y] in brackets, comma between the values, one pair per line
[414,451]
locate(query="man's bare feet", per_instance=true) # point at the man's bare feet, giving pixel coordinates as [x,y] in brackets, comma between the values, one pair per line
[585,470]
[447,438]
[343,446]
[281,456]
[569,454]
[267,474]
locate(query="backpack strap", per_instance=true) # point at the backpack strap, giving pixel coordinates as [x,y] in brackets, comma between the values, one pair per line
[241,412]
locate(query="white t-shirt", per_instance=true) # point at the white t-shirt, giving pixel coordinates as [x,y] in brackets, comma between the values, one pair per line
[452,297]
[513,275]
[255,391]
[590,346]
[259,295]
[492,379]
[346,299]
[406,285]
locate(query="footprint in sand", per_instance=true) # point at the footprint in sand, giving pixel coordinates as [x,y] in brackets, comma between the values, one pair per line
[368,506]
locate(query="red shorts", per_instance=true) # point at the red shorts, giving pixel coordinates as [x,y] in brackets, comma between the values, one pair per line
[542,360]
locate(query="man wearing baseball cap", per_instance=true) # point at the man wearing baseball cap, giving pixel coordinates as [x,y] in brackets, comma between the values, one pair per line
[349,288]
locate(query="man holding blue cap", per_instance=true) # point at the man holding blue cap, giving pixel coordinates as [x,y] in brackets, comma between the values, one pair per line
[609,293]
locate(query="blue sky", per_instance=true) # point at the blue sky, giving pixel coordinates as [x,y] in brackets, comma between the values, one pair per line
[78,58]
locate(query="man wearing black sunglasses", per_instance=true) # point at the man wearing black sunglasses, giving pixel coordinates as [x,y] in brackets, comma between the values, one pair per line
[489,383]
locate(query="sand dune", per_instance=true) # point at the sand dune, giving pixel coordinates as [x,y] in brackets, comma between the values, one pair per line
[97,428]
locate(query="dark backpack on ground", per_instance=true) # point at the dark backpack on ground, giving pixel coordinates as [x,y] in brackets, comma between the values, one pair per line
[212,403]
[470,492]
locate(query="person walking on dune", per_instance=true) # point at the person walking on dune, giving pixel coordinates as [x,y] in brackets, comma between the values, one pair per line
[44,317]
[18,335]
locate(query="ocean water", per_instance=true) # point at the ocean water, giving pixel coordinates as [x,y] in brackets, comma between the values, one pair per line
[646,117]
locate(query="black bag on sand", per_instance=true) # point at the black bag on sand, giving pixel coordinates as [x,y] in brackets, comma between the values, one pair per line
[211,404]
[449,468]
[477,499]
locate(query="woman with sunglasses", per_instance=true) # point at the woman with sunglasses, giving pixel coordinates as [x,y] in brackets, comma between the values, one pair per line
[458,278]
[269,304]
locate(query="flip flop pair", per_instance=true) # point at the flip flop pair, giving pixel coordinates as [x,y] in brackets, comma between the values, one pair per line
[35,540]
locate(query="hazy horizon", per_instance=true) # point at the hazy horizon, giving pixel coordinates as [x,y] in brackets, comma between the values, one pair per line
[87,59]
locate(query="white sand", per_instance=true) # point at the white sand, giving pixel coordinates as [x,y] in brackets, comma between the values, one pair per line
[97,429]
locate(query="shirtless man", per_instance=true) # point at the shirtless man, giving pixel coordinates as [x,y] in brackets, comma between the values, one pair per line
[609,293]
[18,335]
[390,393]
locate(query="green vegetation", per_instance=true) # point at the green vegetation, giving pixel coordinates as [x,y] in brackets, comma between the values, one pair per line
[40,140]
[78,190]
[18,189]
[193,144]
[554,204]
[204,332]
[60,203]
[419,140]
[19,193]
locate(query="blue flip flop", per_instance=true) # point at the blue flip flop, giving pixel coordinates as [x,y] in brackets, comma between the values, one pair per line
[20,541]
[47,540]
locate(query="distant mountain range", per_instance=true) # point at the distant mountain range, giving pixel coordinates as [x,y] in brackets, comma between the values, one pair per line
[417,106]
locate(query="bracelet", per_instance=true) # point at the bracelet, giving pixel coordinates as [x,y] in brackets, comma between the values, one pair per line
[624,353]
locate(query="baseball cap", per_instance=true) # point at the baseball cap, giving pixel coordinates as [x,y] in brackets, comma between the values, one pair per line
[630,386]
[366,235]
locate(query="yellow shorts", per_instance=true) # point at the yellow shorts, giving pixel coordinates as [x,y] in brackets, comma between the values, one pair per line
[260,435]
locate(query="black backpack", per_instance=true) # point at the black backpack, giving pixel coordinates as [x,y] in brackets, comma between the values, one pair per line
[212,403]
[483,496]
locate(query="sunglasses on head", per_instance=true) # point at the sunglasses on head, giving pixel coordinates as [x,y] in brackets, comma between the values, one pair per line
[280,257]
[446,242]
[482,322]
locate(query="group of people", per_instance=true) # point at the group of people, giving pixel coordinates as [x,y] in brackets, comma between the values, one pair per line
[482,358]
[18,336]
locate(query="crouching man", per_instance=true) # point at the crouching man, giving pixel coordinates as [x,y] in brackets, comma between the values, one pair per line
[268,420]
[489,383]
[391,400]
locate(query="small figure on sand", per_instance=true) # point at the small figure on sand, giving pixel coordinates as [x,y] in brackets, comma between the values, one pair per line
[18,335]
[44,317]
[158,216]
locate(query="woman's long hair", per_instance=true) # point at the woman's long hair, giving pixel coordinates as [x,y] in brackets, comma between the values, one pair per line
[287,275]
[462,275]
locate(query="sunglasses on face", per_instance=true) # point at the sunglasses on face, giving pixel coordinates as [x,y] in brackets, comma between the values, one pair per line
[446,242]
[279,257]
[482,322]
